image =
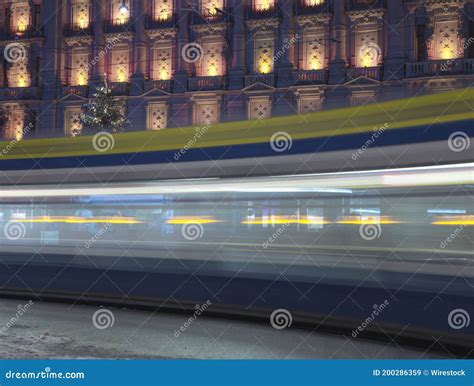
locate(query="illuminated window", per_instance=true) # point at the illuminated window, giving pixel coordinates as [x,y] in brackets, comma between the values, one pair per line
[264,54]
[212,61]
[313,53]
[20,14]
[120,11]
[80,14]
[369,53]
[157,116]
[79,68]
[162,9]
[18,74]
[162,65]
[17,124]
[263,5]
[72,122]
[446,40]
[211,7]
[120,65]
[313,3]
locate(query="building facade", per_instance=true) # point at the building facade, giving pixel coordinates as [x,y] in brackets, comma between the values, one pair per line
[198,62]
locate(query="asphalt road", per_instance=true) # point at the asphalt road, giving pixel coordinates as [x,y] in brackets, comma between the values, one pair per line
[65,331]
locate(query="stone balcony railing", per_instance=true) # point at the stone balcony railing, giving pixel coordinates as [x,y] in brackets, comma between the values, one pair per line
[166,22]
[29,33]
[164,85]
[366,4]
[439,67]
[81,91]
[309,77]
[76,29]
[262,13]
[118,26]
[368,72]
[13,93]
[268,79]
[202,83]
[119,88]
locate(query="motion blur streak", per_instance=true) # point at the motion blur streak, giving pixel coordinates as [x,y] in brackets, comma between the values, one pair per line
[79,220]
[191,220]
[305,243]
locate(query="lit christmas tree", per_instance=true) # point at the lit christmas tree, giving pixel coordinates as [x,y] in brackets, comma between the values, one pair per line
[103,113]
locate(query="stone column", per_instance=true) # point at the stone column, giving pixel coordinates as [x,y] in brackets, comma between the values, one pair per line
[184,68]
[394,62]
[411,30]
[137,107]
[98,68]
[139,49]
[286,45]
[237,70]
[53,66]
[338,64]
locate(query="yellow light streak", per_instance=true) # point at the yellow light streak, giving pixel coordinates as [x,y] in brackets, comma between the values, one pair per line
[282,220]
[80,220]
[356,220]
[454,220]
[179,220]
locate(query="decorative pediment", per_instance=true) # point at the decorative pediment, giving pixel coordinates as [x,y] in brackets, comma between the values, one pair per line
[258,86]
[362,81]
[73,98]
[321,20]
[156,92]
[161,34]
[210,29]
[367,15]
[119,37]
[78,41]
[444,7]
[263,24]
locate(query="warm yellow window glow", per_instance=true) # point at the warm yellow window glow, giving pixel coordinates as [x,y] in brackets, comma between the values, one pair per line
[19,133]
[264,67]
[121,76]
[212,70]
[164,75]
[22,81]
[313,3]
[263,5]
[81,79]
[369,55]
[83,23]
[22,26]
[447,53]
[315,64]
